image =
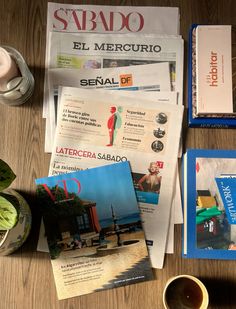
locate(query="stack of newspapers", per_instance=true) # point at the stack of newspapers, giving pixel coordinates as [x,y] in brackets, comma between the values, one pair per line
[113,93]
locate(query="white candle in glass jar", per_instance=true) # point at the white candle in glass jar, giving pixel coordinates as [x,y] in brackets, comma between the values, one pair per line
[8,69]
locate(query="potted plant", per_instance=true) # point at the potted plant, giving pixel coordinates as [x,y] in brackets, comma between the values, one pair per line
[15,214]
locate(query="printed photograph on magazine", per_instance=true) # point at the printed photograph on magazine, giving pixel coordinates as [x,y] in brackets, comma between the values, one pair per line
[210,208]
[94,230]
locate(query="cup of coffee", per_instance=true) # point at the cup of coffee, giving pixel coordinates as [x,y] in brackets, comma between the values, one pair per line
[185,292]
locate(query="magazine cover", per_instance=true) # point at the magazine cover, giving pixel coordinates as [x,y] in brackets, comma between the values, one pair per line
[94,230]
[209,211]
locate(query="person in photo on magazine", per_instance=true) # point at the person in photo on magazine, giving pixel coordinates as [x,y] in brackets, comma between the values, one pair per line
[151,182]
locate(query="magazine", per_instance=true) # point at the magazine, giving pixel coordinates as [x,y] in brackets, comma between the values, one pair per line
[208,204]
[107,19]
[96,129]
[94,230]
[154,77]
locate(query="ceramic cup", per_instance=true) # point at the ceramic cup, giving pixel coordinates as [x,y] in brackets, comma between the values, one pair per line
[185,292]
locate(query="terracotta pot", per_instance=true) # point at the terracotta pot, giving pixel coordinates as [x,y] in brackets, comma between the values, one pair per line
[16,236]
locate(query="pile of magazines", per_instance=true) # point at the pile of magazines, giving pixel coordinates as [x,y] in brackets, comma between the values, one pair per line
[113,93]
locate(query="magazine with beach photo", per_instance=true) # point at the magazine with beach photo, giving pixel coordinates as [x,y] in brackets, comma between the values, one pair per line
[94,230]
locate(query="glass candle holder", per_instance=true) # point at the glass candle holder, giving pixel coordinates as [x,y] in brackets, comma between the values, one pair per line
[19,88]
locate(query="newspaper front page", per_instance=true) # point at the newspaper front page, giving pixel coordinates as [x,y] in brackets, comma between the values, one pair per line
[96,129]
[68,18]
[154,77]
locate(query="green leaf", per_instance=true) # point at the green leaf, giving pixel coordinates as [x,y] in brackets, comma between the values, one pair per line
[6,175]
[8,211]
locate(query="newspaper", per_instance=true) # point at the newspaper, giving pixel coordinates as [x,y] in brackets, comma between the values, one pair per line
[153,77]
[68,18]
[170,238]
[146,133]
[103,51]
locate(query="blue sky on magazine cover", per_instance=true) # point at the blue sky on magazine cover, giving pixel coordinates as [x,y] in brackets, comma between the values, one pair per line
[106,185]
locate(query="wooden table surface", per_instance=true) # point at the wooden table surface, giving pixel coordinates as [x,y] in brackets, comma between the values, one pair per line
[26,278]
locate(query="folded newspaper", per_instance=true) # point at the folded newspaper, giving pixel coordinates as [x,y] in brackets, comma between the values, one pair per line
[96,129]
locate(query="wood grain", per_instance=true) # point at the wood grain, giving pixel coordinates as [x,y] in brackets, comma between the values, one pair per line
[26,279]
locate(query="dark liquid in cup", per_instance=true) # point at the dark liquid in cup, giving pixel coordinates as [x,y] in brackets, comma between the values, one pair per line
[184,293]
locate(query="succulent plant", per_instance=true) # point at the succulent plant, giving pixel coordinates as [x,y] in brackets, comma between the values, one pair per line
[9,205]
